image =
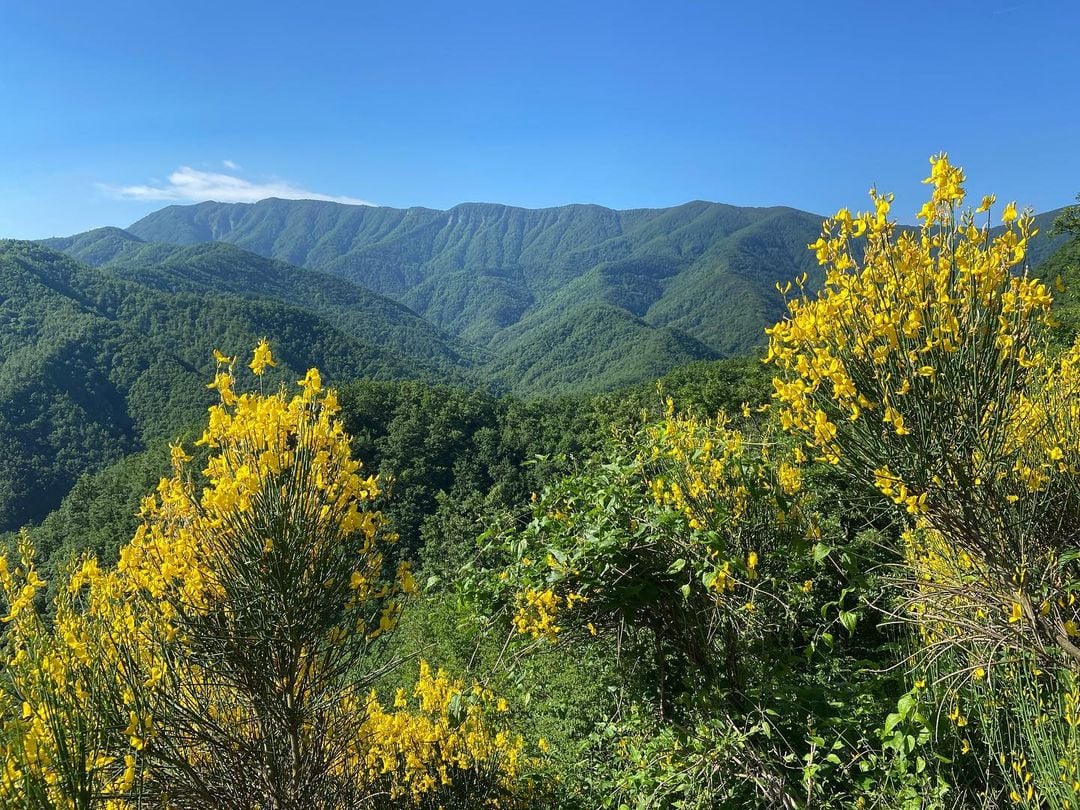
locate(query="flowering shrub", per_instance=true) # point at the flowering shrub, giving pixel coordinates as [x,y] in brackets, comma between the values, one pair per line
[921,373]
[71,734]
[686,523]
[913,352]
[441,744]
[694,550]
[226,661]
[273,578]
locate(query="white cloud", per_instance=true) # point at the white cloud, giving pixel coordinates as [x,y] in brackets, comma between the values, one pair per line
[192,185]
[228,164]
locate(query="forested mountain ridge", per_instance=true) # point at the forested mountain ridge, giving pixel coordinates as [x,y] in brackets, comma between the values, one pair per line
[506,278]
[479,269]
[95,247]
[95,362]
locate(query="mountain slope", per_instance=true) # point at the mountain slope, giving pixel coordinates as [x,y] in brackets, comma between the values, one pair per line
[495,274]
[590,348]
[95,247]
[222,268]
[93,363]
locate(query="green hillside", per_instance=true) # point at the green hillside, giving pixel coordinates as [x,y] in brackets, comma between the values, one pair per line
[97,246]
[592,347]
[478,270]
[216,267]
[1065,263]
[95,362]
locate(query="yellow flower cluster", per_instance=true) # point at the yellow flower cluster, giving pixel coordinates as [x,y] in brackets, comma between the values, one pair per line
[902,317]
[943,575]
[260,361]
[1044,425]
[735,487]
[537,611]
[890,485]
[65,695]
[716,474]
[420,745]
[262,443]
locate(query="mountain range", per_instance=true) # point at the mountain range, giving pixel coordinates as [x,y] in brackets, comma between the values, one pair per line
[106,336]
[701,274]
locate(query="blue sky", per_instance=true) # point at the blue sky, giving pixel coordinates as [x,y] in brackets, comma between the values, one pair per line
[114,109]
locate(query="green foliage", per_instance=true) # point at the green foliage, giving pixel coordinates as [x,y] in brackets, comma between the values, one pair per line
[98,515]
[743,679]
[1064,264]
[453,455]
[703,388]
